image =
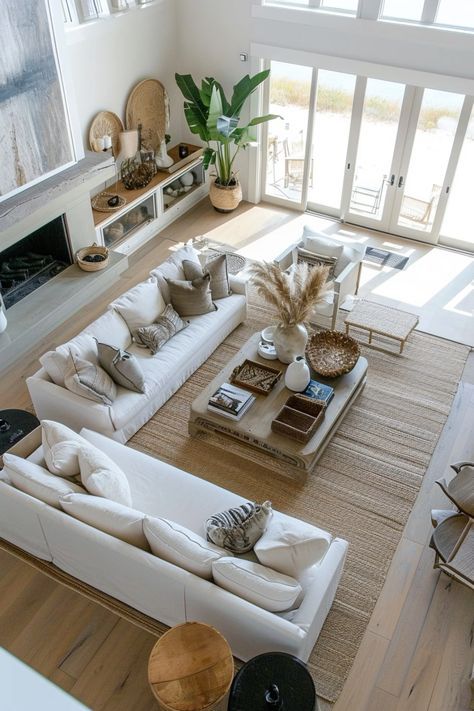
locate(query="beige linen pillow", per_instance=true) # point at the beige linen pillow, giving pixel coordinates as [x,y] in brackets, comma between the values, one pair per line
[102,477]
[168,324]
[91,381]
[192,298]
[217,270]
[122,366]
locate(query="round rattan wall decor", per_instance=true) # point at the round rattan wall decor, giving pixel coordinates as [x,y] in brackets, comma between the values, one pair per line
[332,353]
[106,123]
[148,105]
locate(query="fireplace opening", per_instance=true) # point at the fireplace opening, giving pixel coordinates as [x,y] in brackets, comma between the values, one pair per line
[34,260]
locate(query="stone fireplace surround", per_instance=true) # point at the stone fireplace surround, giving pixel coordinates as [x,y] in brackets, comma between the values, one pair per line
[65,194]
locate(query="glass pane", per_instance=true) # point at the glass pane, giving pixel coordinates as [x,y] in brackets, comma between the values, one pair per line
[437,123]
[456,12]
[456,225]
[332,122]
[378,134]
[403,9]
[286,2]
[290,87]
[344,5]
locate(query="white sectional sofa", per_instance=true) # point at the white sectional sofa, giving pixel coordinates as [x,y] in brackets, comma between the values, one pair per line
[158,588]
[164,373]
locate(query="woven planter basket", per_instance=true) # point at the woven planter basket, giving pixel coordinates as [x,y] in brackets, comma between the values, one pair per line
[92,266]
[332,353]
[225,198]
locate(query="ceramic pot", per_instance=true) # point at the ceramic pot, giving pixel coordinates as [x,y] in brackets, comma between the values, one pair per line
[225,198]
[290,341]
[297,375]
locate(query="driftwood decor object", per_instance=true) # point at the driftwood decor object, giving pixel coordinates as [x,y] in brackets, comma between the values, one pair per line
[332,353]
[148,105]
[106,123]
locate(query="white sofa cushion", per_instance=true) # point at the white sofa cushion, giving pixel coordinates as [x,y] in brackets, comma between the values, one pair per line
[109,328]
[102,477]
[61,448]
[254,582]
[88,379]
[37,481]
[140,306]
[291,546]
[172,268]
[180,546]
[319,243]
[56,364]
[109,516]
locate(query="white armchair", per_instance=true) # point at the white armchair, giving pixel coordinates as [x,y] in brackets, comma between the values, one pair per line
[345,260]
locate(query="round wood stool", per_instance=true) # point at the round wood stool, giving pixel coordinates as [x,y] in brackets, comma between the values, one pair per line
[190,668]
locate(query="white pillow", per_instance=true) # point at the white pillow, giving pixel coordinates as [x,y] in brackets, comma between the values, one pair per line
[110,328]
[254,582]
[108,516]
[319,243]
[140,306]
[37,481]
[291,546]
[60,448]
[180,546]
[102,477]
[56,364]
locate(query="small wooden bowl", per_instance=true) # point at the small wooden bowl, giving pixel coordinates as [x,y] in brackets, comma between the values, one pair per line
[332,353]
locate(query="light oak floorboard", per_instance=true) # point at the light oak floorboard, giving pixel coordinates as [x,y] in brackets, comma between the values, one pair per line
[102,659]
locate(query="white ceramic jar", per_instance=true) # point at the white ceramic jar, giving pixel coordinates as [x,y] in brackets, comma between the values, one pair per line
[297,375]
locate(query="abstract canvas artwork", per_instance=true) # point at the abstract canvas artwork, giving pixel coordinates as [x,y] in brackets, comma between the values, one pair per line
[34,131]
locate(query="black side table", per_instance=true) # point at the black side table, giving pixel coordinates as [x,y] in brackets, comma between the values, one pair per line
[14,425]
[274,681]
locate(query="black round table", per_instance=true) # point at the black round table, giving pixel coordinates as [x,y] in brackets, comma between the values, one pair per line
[274,681]
[14,425]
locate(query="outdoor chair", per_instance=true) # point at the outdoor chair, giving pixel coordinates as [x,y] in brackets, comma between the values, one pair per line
[294,167]
[418,210]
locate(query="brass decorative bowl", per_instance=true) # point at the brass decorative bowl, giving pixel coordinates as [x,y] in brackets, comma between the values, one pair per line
[332,353]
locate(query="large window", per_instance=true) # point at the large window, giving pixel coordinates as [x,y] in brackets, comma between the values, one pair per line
[411,10]
[457,13]
[343,6]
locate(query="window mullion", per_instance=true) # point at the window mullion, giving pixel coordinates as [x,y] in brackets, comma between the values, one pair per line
[315,3]
[369,9]
[430,9]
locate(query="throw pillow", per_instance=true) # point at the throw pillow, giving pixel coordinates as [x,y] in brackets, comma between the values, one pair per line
[172,269]
[90,381]
[192,298]
[166,326]
[108,516]
[140,306]
[313,260]
[56,364]
[102,477]
[122,366]
[290,546]
[37,481]
[61,448]
[254,582]
[217,270]
[179,545]
[239,528]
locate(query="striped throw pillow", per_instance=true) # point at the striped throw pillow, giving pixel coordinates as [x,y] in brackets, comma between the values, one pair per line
[239,528]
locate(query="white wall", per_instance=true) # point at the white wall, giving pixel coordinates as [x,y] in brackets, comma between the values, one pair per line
[108,57]
[212,33]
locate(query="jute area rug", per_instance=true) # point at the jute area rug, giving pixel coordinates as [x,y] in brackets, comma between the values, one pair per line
[364,485]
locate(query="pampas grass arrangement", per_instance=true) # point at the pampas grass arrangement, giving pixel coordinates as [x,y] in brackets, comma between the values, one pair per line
[293,294]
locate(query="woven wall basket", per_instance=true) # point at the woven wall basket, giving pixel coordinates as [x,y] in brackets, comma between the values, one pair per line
[225,198]
[92,266]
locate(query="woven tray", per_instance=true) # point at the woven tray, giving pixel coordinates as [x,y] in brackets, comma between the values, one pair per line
[106,123]
[99,202]
[148,105]
[299,418]
[254,376]
[332,353]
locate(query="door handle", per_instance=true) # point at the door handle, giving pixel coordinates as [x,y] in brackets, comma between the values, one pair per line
[400,181]
[392,179]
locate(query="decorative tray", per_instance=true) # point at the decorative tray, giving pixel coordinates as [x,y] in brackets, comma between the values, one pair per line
[256,377]
[148,105]
[100,202]
[106,123]
[299,417]
[332,353]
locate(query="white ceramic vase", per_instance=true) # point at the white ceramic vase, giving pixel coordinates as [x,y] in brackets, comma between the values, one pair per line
[163,160]
[290,341]
[297,375]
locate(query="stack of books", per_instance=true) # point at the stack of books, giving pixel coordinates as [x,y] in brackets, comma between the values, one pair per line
[230,401]
[319,391]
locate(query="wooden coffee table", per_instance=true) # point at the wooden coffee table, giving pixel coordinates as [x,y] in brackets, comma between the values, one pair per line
[253,431]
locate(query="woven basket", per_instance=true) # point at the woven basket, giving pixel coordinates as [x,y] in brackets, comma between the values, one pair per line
[92,266]
[225,198]
[332,353]
[299,417]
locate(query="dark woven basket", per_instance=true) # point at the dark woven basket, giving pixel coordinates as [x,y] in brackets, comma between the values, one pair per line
[299,417]
[332,353]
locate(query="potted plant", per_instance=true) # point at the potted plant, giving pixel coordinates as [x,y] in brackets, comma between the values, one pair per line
[216,121]
[294,295]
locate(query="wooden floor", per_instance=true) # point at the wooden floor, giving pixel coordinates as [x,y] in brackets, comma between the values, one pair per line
[418,649]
